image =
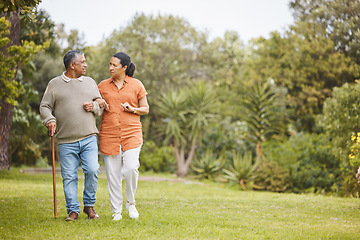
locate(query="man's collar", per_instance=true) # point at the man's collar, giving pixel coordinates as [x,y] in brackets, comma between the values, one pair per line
[67,79]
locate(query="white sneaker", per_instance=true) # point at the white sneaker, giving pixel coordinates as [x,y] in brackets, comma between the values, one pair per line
[133,213]
[117,216]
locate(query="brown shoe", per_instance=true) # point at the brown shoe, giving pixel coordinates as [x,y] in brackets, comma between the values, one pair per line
[91,212]
[72,216]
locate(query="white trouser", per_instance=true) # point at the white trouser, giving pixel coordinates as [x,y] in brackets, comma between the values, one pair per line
[125,165]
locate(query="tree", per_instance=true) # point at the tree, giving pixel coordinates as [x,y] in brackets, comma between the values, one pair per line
[165,49]
[223,59]
[12,55]
[339,19]
[264,116]
[307,68]
[39,30]
[186,114]
[341,120]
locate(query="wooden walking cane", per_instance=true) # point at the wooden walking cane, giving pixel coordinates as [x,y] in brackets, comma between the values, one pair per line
[53,172]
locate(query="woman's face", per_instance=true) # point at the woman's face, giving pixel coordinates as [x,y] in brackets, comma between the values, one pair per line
[115,68]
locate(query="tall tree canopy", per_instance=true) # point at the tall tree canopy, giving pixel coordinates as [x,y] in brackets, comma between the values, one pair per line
[308,68]
[339,19]
[12,55]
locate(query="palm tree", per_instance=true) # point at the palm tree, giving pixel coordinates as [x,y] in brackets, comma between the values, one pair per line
[264,117]
[186,113]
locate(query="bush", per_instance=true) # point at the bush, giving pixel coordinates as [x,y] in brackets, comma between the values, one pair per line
[309,159]
[271,177]
[208,166]
[157,159]
[341,119]
[242,169]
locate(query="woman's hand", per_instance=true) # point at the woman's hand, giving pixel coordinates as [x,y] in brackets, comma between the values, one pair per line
[142,109]
[102,103]
[127,108]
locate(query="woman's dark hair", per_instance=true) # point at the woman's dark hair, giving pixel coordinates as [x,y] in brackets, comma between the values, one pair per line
[126,61]
[70,57]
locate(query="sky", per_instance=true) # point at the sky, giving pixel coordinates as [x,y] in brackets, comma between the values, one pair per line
[96,19]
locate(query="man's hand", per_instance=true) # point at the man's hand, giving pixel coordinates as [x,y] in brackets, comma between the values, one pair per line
[51,126]
[88,106]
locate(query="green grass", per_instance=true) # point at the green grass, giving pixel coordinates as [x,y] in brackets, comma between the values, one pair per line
[175,210]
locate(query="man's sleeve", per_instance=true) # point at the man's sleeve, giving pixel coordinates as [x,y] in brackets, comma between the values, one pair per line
[46,107]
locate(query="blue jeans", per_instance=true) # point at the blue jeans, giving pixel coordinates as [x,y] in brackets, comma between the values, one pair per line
[85,150]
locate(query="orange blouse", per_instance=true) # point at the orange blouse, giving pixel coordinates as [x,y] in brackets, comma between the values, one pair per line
[117,126]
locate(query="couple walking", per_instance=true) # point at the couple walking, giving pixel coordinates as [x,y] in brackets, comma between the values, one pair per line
[68,109]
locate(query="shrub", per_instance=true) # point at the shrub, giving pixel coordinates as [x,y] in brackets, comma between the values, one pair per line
[208,166]
[309,159]
[341,119]
[157,159]
[242,169]
[271,177]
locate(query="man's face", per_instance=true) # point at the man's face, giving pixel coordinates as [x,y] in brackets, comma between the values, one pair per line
[80,65]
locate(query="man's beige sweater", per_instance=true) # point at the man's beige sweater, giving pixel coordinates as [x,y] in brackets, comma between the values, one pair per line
[63,103]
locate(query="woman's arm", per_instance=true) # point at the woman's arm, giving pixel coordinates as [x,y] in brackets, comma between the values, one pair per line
[142,109]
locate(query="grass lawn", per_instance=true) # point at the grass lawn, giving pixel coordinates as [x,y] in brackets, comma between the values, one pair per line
[174,210]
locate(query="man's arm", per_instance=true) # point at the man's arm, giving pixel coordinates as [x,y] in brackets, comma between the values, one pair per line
[46,108]
[97,106]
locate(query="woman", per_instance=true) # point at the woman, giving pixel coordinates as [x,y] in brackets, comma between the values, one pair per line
[121,132]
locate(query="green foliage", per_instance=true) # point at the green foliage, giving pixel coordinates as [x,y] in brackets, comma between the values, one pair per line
[171,106]
[224,136]
[165,49]
[242,169]
[186,113]
[354,155]
[208,166]
[9,88]
[40,30]
[340,120]
[202,99]
[272,177]
[156,159]
[28,135]
[307,67]
[264,116]
[309,159]
[341,117]
[339,20]
[223,59]
[26,7]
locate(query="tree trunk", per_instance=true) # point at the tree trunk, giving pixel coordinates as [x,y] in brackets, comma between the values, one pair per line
[180,159]
[182,164]
[6,112]
[259,152]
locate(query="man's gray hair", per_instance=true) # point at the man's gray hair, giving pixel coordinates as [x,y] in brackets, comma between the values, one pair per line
[70,56]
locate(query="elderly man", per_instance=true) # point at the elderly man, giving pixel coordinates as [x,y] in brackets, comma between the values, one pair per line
[68,109]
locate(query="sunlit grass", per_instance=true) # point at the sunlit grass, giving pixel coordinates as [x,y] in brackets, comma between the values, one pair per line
[175,210]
